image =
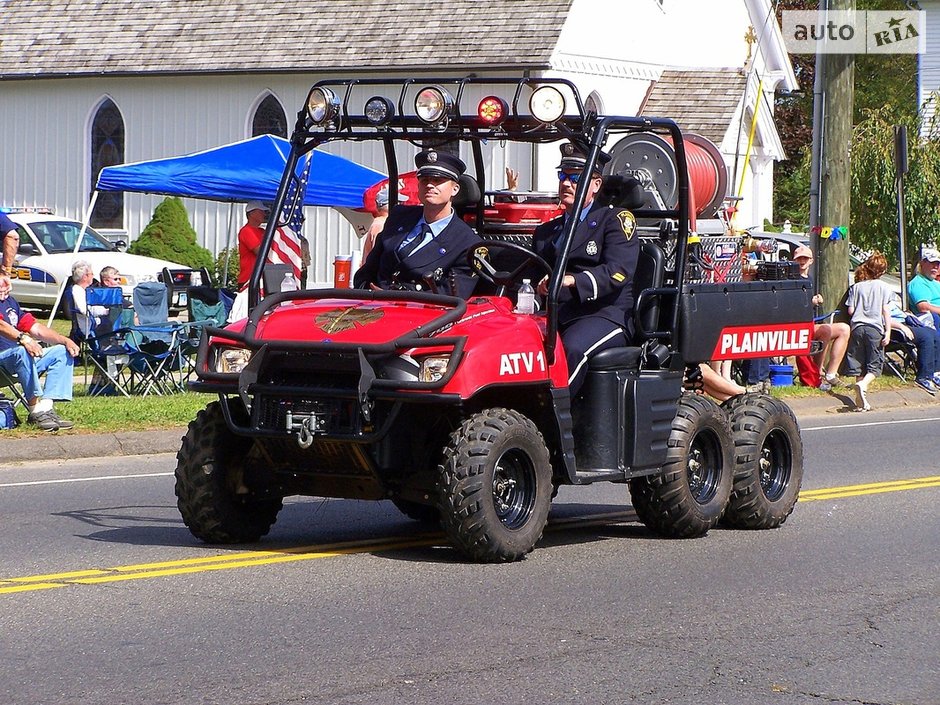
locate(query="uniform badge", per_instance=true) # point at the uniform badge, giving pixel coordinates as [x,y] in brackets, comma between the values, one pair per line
[432,157]
[627,222]
[591,248]
[618,277]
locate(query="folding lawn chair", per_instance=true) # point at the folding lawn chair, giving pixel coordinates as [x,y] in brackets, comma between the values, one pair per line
[901,356]
[11,381]
[102,347]
[155,342]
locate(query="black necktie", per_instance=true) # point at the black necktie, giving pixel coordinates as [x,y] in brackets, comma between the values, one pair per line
[416,242]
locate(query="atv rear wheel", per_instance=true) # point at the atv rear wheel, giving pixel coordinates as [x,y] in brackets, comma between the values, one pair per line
[495,486]
[212,496]
[768,463]
[688,497]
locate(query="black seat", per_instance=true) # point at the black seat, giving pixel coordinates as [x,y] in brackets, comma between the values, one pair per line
[468,196]
[650,270]
[621,191]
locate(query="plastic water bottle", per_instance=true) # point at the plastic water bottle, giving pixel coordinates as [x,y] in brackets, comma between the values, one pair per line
[525,299]
[289,283]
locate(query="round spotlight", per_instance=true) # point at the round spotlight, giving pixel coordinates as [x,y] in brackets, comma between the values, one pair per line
[433,104]
[379,110]
[547,104]
[492,110]
[322,105]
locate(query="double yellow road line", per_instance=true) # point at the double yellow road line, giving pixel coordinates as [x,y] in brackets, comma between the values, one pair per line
[245,559]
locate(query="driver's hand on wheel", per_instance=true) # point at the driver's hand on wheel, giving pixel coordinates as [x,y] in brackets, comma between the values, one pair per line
[567,281]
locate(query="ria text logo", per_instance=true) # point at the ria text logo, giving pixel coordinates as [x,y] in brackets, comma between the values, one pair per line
[855,32]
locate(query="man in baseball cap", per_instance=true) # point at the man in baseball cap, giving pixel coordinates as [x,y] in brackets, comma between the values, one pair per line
[249,239]
[424,247]
[924,289]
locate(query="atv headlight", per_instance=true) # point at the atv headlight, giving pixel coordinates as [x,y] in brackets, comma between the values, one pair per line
[434,368]
[433,104]
[232,361]
[547,104]
[322,105]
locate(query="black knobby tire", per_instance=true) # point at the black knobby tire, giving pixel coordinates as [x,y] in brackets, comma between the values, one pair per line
[688,497]
[768,462]
[425,513]
[210,490]
[495,486]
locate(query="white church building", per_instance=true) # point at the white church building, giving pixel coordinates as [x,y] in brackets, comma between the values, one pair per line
[91,83]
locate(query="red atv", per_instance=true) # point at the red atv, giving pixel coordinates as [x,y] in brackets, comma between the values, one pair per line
[458,411]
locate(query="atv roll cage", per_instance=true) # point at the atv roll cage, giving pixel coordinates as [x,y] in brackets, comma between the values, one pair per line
[345,110]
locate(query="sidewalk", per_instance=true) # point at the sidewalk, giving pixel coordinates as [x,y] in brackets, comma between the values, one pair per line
[93,445]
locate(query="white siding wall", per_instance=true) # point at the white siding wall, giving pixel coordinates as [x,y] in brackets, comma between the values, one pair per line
[928,79]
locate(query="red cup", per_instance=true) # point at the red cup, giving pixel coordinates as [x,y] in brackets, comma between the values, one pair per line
[342,272]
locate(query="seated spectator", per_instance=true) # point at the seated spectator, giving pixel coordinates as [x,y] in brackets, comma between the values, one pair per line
[924,289]
[871,326]
[22,355]
[833,336]
[927,341]
[713,384]
[110,277]
[87,318]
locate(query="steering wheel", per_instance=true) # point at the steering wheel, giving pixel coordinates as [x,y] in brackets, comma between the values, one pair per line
[482,268]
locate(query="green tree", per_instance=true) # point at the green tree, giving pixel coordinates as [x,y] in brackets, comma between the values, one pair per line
[874,195]
[170,236]
[227,278]
[880,79]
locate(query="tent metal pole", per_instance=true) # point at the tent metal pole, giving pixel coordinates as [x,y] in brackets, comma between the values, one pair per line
[78,243]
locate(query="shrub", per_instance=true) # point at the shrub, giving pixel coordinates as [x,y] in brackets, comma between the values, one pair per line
[227,279]
[170,236]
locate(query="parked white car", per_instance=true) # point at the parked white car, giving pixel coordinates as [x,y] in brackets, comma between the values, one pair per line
[44,260]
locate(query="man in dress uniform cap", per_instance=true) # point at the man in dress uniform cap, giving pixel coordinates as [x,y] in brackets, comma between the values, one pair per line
[426,243]
[596,299]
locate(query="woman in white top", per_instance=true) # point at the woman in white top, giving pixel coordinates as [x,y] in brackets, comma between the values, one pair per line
[87,318]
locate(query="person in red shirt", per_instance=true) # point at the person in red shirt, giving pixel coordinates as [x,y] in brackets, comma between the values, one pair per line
[21,354]
[249,240]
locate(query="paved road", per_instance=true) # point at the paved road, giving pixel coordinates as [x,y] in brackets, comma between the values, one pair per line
[106,598]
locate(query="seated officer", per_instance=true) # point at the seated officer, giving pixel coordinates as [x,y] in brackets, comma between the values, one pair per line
[596,299]
[424,247]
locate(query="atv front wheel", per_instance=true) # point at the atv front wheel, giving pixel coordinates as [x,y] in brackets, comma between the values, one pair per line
[212,495]
[495,486]
[768,463]
[688,497]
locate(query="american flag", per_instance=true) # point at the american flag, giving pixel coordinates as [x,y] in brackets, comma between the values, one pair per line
[286,248]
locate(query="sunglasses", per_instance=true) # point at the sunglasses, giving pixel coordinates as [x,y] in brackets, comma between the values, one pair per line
[574,178]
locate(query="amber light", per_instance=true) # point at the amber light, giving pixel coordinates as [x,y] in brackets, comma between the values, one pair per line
[492,110]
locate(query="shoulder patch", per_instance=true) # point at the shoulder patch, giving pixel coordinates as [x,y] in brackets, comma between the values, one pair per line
[627,223]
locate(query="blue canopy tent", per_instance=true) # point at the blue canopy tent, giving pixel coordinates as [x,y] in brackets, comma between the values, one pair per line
[243,171]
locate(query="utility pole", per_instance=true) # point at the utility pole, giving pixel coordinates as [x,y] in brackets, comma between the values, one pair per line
[830,193]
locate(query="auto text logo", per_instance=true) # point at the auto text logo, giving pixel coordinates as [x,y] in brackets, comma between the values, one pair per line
[855,32]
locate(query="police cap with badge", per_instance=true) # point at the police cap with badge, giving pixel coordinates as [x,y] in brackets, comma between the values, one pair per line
[432,163]
[574,156]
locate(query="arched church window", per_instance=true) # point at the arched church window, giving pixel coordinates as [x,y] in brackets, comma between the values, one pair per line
[269,118]
[107,149]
